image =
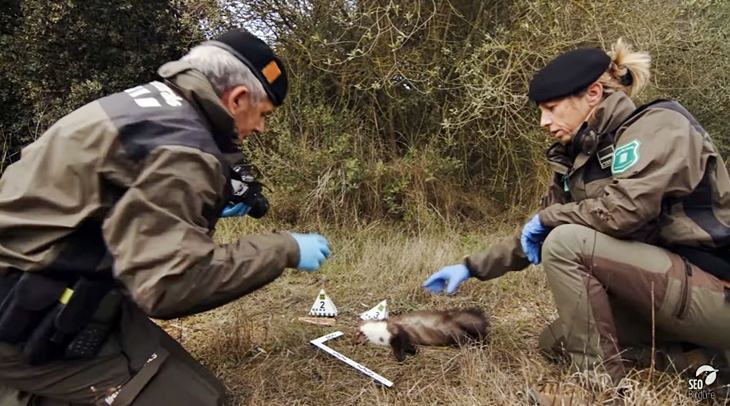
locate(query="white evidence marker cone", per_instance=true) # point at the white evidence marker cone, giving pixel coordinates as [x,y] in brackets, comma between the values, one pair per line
[323,306]
[378,312]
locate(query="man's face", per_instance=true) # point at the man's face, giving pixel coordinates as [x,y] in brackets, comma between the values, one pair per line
[247,117]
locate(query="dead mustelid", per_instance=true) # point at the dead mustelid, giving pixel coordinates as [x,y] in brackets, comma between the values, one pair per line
[403,332]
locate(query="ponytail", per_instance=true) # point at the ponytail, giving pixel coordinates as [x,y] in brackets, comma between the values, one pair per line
[628,71]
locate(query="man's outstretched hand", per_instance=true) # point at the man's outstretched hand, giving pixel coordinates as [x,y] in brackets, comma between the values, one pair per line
[313,250]
[454,274]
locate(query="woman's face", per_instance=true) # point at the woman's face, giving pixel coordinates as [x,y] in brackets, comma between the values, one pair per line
[562,117]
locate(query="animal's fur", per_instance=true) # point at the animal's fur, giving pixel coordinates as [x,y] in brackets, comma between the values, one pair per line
[452,327]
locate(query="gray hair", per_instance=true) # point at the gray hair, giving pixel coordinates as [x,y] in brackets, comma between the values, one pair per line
[224,71]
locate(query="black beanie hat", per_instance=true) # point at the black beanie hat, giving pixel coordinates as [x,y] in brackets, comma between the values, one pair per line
[568,74]
[259,57]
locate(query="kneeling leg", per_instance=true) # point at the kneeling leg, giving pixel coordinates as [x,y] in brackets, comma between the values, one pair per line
[585,269]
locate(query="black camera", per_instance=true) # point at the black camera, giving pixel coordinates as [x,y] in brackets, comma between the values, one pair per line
[249,191]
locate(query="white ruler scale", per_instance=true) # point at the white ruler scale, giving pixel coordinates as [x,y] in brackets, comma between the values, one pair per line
[319,343]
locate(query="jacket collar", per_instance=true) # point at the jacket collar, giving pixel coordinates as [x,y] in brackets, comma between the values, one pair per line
[606,119]
[611,113]
[196,89]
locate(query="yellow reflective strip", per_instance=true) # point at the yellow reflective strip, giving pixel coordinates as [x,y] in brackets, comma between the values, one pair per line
[66,296]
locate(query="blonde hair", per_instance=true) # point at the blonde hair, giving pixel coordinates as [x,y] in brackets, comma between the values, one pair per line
[628,71]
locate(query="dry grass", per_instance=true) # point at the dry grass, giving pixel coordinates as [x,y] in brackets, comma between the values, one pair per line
[262,352]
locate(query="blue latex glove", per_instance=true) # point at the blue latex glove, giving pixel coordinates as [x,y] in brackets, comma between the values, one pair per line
[455,274]
[237,210]
[533,234]
[313,249]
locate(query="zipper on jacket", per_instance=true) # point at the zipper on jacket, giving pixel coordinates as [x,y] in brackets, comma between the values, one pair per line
[684,302]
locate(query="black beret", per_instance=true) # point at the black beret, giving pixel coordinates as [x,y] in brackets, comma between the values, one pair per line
[568,74]
[259,57]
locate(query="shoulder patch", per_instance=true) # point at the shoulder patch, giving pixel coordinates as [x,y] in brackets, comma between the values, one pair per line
[625,156]
[152,115]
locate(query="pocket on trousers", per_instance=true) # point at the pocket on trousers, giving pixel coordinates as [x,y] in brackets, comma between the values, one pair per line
[170,377]
[685,289]
[177,383]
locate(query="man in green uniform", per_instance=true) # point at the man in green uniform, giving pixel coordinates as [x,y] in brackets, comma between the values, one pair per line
[107,220]
[632,232]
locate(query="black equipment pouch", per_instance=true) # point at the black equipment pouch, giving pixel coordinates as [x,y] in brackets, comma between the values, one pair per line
[26,304]
[93,335]
[71,314]
[7,282]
